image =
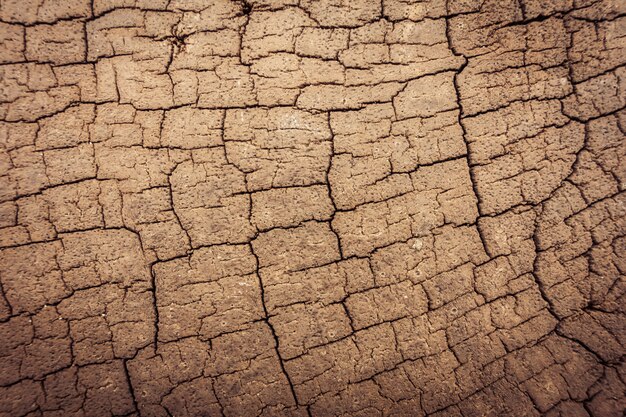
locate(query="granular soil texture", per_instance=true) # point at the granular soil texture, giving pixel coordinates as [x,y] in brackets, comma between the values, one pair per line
[312,208]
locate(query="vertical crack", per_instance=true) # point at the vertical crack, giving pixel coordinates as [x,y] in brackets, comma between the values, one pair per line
[479,203]
[131,388]
[271,327]
[329,188]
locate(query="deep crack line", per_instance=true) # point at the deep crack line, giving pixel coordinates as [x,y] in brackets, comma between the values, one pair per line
[271,327]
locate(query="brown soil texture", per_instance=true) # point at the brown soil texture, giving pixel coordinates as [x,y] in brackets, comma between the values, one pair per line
[312,208]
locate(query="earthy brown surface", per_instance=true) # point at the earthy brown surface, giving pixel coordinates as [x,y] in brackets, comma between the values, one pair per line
[312,208]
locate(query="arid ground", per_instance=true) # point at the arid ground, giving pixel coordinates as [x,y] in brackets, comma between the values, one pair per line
[312,208]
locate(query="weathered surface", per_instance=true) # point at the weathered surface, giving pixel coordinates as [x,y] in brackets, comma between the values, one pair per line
[312,208]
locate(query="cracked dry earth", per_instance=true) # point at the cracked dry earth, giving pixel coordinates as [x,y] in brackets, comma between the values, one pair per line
[312,208]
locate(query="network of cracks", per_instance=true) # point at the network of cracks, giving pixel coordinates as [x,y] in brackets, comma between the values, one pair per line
[312,208]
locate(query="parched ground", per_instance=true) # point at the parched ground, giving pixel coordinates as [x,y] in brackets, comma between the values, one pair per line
[312,208]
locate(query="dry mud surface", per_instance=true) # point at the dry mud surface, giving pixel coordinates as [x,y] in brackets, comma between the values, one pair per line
[312,208]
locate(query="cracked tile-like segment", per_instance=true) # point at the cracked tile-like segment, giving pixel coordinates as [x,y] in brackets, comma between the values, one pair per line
[312,208]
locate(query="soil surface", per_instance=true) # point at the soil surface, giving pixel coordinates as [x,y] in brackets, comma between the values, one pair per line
[312,208]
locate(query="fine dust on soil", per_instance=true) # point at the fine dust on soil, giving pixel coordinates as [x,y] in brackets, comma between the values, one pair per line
[312,208]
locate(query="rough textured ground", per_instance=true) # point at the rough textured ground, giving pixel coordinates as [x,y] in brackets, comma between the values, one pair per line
[312,208]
